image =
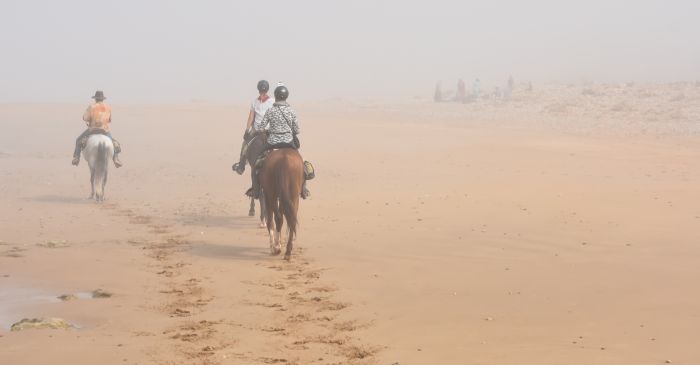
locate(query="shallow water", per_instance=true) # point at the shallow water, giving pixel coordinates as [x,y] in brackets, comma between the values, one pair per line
[17,303]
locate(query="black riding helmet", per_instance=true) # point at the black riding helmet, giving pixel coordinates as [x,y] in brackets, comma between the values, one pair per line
[263,86]
[281,93]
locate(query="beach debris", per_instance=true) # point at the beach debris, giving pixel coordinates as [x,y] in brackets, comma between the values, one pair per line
[40,323]
[355,352]
[668,361]
[54,244]
[99,293]
[67,297]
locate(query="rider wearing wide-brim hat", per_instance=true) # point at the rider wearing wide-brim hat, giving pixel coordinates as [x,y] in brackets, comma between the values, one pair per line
[97,117]
[282,127]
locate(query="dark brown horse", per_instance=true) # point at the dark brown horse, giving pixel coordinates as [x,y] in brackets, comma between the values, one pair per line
[256,147]
[281,178]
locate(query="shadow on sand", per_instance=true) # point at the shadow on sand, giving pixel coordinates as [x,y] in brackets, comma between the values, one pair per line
[59,199]
[218,221]
[229,251]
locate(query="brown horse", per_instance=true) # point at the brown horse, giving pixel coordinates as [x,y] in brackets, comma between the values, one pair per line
[281,177]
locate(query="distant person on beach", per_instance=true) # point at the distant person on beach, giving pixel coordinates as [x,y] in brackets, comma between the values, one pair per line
[437,97]
[461,91]
[508,90]
[511,84]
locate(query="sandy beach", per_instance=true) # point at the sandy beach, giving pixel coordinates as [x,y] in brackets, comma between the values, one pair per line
[559,227]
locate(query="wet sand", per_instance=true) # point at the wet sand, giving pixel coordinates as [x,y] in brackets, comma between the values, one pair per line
[560,227]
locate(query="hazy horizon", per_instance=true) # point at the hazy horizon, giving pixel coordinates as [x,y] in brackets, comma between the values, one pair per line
[158,51]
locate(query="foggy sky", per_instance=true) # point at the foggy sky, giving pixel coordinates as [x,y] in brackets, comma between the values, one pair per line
[173,51]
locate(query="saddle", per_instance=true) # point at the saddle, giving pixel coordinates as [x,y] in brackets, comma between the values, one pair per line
[309,172]
[83,141]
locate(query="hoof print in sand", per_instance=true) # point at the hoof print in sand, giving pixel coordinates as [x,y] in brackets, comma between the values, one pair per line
[181,313]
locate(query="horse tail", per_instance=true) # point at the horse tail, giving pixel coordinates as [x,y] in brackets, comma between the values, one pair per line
[286,203]
[100,169]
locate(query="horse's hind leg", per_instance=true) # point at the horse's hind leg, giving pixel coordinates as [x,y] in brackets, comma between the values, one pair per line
[269,211]
[288,251]
[92,183]
[291,228]
[102,191]
[279,221]
[251,211]
[262,210]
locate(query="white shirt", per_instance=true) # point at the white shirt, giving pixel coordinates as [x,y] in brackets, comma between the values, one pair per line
[260,108]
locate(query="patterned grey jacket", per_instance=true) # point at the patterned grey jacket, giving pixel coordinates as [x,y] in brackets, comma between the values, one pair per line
[281,123]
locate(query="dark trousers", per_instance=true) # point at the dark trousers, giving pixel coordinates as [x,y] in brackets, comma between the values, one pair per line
[242,156]
[76,152]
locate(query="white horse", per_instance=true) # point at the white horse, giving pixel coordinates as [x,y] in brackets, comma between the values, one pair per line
[98,151]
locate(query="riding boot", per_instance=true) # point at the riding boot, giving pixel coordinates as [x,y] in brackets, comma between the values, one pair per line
[305,193]
[254,191]
[79,147]
[239,166]
[117,163]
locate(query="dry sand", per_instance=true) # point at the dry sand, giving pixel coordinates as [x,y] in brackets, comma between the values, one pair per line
[561,227]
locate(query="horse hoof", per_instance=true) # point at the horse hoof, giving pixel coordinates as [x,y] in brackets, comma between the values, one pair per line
[251,213]
[287,257]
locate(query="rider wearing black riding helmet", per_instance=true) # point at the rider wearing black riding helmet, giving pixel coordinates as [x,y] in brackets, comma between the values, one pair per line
[282,127]
[258,108]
